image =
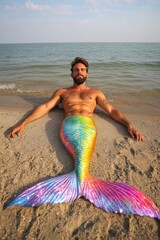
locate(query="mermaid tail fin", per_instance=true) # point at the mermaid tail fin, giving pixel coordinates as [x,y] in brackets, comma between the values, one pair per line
[119,198]
[110,196]
[54,190]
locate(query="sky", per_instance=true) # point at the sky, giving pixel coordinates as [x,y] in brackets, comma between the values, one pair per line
[29,21]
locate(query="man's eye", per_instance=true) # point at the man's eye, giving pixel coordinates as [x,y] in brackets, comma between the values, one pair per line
[81,69]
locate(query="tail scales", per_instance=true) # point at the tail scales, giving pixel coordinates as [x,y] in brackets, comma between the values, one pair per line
[54,190]
[118,197]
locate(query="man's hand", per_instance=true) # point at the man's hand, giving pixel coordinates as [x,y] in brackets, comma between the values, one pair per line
[134,133]
[17,130]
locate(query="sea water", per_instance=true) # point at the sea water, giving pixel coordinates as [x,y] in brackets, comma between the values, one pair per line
[41,68]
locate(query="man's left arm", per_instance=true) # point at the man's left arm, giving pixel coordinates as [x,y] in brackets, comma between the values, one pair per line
[118,116]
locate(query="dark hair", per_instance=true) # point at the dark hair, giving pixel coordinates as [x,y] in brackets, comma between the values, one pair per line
[79,60]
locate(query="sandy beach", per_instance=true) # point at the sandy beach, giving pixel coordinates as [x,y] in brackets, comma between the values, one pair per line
[39,154]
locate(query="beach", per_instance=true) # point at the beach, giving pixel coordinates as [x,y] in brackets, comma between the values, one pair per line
[39,154]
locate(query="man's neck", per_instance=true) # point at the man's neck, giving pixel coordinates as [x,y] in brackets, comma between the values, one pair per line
[79,87]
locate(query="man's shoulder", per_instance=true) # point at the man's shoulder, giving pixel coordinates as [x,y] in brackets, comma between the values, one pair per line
[95,90]
[61,90]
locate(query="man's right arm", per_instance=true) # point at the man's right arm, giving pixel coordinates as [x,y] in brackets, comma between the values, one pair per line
[38,112]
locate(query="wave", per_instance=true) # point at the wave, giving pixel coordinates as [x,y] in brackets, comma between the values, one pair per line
[62,68]
[7,86]
[124,64]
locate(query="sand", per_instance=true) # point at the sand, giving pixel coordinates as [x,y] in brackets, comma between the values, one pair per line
[38,154]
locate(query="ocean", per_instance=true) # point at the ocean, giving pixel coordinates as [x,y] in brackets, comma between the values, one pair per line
[115,68]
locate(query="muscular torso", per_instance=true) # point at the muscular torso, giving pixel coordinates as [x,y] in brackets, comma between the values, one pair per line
[79,102]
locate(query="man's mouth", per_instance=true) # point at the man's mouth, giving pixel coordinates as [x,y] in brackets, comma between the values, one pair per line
[79,76]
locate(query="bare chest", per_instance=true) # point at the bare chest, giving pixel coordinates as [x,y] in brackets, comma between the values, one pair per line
[74,96]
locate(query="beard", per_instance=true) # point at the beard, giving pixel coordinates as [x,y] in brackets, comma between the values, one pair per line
[79,80]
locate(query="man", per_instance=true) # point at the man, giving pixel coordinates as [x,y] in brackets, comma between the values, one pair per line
[78,133]
[78,100]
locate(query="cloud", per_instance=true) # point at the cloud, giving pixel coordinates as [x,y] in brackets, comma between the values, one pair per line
[64,9]
[35,7]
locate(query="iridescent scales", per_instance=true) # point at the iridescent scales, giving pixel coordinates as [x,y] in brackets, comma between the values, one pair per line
[78,134]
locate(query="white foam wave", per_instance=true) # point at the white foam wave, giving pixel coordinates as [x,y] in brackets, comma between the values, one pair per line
[7,86]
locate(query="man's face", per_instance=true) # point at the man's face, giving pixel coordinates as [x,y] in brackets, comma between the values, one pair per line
[79,73]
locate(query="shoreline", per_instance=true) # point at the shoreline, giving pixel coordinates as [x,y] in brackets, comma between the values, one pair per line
[126,103]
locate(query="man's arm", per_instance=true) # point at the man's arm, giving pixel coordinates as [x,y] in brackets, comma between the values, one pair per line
[38,112]
[117,116]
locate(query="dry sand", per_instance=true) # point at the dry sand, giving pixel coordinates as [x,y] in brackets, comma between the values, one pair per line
[38,154]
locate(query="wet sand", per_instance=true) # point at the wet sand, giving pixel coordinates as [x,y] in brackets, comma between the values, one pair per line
[39,154]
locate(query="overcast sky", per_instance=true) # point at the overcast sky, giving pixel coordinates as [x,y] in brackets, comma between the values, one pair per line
[79,21]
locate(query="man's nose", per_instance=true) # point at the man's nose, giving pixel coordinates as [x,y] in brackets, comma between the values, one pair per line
[79,70]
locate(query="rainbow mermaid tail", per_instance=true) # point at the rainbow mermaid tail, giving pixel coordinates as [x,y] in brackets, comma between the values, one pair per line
[78,134]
